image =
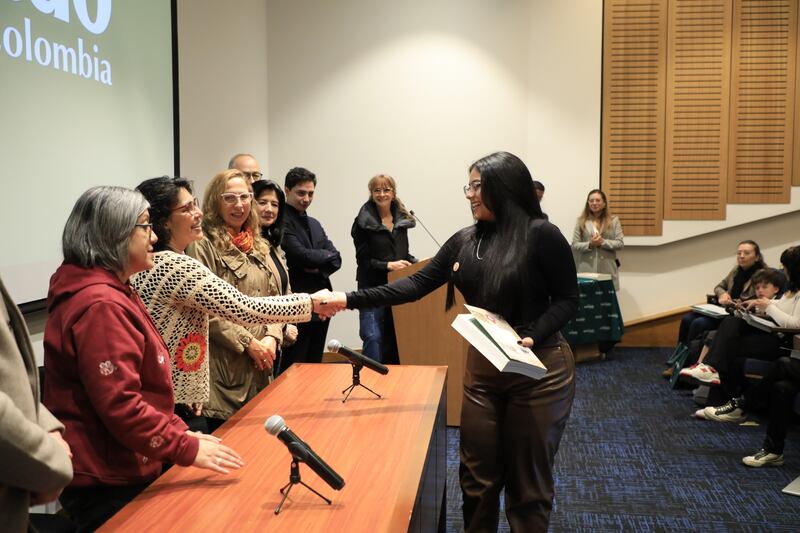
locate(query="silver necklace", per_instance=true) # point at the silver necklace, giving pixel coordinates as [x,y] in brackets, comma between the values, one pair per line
[478,249]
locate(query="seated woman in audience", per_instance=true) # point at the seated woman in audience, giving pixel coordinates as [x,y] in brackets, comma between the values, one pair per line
[107,369]
[734,287]
[180,294]
[768,283]
[597,237]
[241,358]
[270,206]
[380,235]
[736,340]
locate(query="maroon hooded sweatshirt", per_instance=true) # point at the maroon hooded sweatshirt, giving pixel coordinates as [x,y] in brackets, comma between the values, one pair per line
[107,378]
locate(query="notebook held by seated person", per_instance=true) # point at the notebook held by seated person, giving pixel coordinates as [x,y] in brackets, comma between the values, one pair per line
[763,323]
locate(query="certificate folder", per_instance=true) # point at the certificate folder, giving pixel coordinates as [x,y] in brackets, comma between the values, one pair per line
[497,341]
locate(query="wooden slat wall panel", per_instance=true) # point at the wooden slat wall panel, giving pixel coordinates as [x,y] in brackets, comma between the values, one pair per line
[698,80]
[762,101]
[796,133]
[634,79]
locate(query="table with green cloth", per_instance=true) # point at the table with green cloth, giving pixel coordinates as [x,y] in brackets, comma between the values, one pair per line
[598,319]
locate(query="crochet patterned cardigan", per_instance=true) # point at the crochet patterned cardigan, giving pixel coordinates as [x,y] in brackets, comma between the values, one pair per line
[180,294]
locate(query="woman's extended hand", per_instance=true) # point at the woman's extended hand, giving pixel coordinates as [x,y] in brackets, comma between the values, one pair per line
[337,301]
[213,455]
[320,301]
[263,352]
[724,299]
[397,265]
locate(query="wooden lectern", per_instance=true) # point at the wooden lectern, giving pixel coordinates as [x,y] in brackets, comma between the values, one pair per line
[425,337]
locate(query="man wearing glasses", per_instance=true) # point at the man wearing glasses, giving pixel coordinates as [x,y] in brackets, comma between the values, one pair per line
[311,258]
[247,165]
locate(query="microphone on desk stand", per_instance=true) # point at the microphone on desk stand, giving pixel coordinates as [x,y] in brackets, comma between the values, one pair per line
[301,452]
[413,214]
[358,361]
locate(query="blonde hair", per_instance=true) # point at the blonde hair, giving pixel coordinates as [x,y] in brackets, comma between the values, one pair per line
[373,183]
[213,223]
[604,217]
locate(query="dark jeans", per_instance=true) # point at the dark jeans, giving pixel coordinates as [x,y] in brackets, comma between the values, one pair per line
[376,329]
[693,325]
[734,342]
[778,389]
[90,507]
[309,346]
[511,427]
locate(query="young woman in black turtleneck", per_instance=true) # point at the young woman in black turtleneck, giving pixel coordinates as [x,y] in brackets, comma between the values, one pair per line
[514,263]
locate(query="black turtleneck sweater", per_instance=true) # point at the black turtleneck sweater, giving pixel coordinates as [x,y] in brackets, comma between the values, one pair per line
[539,312]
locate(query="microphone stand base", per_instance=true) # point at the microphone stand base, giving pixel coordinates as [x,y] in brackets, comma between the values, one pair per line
[294,479]
[357,383]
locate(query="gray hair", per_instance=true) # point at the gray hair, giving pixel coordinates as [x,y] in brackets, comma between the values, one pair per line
[99,227]
[232,162]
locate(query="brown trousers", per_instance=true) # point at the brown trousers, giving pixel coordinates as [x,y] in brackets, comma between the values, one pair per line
[511,426]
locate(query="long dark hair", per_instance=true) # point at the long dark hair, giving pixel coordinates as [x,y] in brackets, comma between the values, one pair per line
[162,193]
[274,233]
[507,191]
[790,259]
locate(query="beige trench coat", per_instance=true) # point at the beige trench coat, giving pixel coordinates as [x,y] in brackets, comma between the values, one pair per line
[234,378]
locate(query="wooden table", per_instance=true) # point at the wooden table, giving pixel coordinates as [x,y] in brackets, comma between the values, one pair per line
[390,452]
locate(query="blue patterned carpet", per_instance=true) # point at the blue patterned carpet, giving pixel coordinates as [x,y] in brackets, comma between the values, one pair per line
[633,459]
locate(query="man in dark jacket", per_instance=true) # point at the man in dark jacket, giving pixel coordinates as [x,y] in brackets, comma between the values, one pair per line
[311,258]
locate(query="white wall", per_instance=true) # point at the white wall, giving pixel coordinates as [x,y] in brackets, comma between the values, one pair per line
[417,90]
[420,90]
[563,150]
[222,57]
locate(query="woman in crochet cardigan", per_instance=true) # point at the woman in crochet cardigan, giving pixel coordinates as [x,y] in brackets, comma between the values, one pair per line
[181,295]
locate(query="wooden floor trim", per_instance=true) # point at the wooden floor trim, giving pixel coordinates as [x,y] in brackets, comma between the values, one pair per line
[659,330]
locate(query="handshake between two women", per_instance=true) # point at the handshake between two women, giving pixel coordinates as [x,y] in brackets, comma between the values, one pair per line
[327,303]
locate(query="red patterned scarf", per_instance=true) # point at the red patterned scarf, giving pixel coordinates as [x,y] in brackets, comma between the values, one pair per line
[242,240]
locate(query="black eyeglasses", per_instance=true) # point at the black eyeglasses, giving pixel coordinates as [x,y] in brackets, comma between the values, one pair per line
[188,207]
[148,227]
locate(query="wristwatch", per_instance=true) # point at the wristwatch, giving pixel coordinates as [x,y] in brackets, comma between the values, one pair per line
[245,340]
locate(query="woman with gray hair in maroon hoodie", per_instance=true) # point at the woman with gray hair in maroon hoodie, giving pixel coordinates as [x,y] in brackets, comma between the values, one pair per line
[107,368]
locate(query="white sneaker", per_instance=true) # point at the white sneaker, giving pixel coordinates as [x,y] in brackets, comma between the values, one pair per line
[702,373]
[763,458]
[728,412]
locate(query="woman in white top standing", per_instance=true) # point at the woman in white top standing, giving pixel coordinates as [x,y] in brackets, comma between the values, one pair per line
[181,294]
[597,237]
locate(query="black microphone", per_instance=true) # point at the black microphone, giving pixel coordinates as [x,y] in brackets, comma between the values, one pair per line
[413,214]
[302,451]
[356,358]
